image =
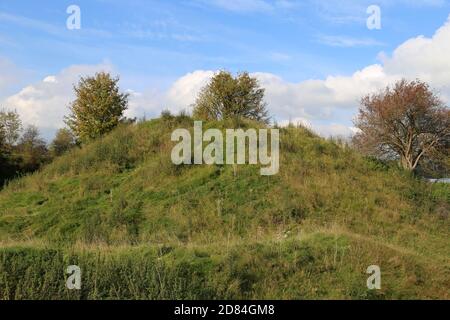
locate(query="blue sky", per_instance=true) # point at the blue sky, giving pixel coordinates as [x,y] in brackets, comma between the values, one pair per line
[152,44]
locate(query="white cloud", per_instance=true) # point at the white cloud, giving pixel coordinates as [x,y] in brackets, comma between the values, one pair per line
[148,103]
[330,130]
[327,104]
[423,58]
[50,79]
[45,103]
[420,57]
[308,101]
[333,130]
[184,91]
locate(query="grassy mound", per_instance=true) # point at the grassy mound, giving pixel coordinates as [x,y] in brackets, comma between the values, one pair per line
[141,227]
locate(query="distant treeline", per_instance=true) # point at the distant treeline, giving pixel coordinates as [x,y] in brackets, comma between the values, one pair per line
[23,150]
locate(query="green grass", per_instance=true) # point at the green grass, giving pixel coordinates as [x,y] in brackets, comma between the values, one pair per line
[142,228]
[316,267]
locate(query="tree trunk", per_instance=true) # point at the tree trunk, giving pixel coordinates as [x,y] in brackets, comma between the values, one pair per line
[406,163]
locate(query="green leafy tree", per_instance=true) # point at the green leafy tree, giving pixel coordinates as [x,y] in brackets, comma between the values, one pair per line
[228,97]
[11,125]
[63,142]
[3,149]
[32,150]
[2,137]
[98,107]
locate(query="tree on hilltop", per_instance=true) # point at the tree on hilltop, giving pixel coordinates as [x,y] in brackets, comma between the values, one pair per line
[407,122]
[98,107]
[228,97]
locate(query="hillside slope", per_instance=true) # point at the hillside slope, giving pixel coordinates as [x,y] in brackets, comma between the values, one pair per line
[143,228]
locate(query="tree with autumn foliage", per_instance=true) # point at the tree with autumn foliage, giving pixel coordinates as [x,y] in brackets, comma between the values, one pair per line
[407,122]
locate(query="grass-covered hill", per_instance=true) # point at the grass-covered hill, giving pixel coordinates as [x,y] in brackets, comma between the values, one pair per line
[142,228]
